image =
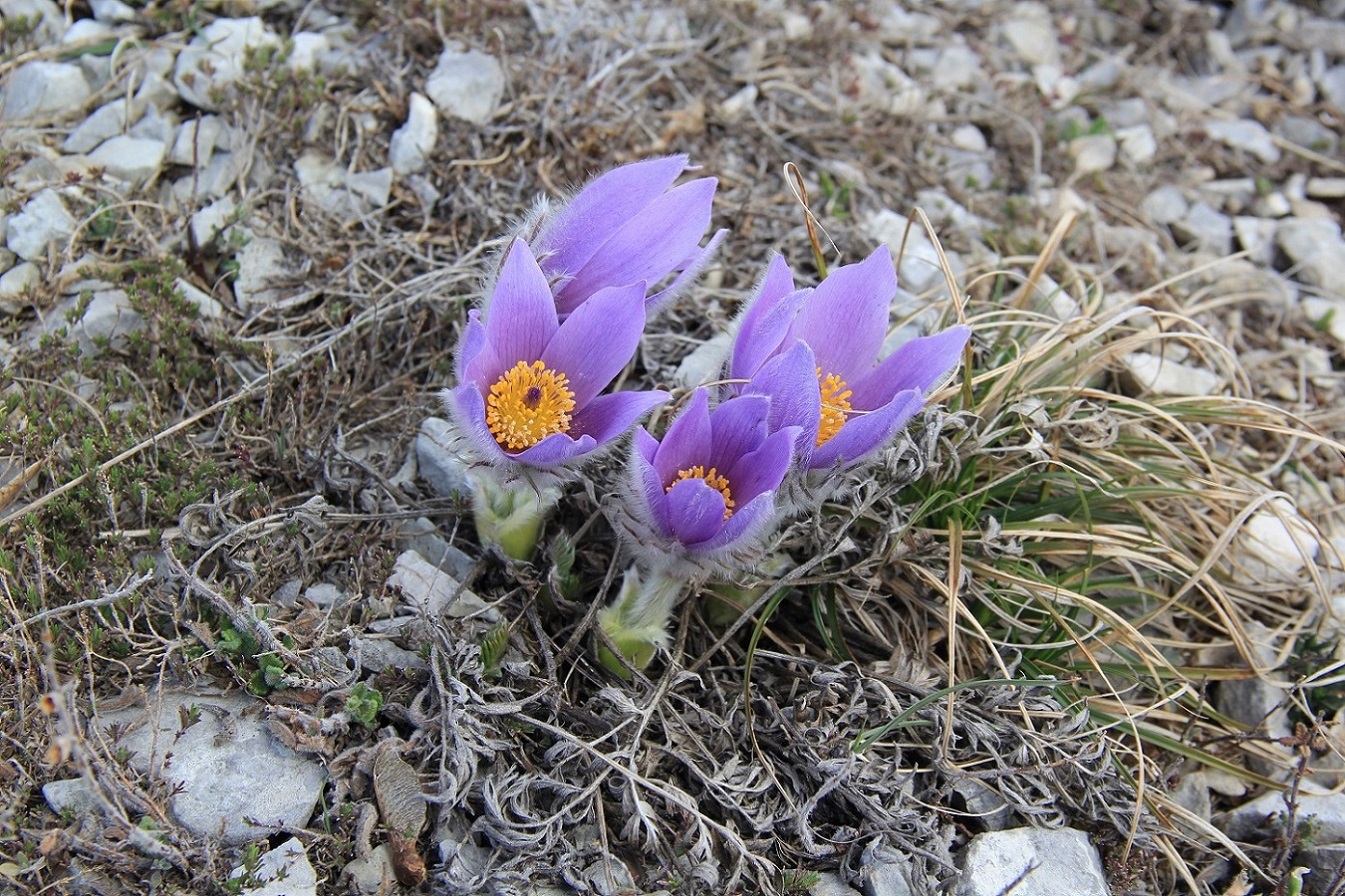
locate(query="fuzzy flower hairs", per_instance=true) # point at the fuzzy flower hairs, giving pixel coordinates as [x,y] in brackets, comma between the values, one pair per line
[563,316]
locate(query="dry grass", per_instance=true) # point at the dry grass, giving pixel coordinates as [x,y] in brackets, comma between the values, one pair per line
[1023,609]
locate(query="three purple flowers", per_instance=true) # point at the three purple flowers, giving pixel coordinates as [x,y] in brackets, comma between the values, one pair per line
[805,398]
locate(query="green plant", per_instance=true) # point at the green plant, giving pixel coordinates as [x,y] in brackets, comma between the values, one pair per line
[363,704]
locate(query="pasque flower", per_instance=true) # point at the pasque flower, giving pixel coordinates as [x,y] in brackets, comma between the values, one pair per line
[626,226]
[857,402]
[527,400]
[706,491]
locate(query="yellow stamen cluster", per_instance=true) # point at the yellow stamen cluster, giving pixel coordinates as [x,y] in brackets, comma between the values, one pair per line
[712,479]
[835,405]
[527,404]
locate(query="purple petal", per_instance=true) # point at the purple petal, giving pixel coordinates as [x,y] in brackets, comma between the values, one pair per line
[467,407]
[556,450]
[649,246]
[739,425]
[765,468]
[608,416]
[863,434]
[767,318]
[687,441]
[597,340]
[919,364]
[845,319]
[695,510]
[691,269]
[602,208]
[789,380]
[521,316]
[476,361]
[747,524]
[649,489]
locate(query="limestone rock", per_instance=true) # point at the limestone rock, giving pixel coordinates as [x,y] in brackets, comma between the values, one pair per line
[466,84]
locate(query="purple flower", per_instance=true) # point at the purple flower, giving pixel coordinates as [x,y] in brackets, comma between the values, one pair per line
[626,226]
[858,403]
[707,490]
[527,395]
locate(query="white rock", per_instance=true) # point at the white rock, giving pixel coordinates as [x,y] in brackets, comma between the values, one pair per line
[229,778]
[1314,246]
[42,222]
[955,68]
[1031,34]
[206,305]
[882,84]
[970,138]
[134,159]
[1332,83]
[1272,205]
[918,269]
[107,121]
[18,280]
[1138,144]
[413,142]
[156,124]
[307,48]
[1093,153]
[1205,229]
[1031,862]
[44,16]
[196,141]
[432,591]
[211,220]
[210,182]
[705,364]
[112,11]
[283,871]
[1165,205]
[1327,312]
[85,32]
[1325,810]
[1058,88]
[214,58]
[1161,376]
[107,322]
[466,84]
[373,187]
[1276,543]
[436,460]
[738,104]
[897,24]
[1257,237]
[265,273]
[45,90]
[1247,135]
[829,883]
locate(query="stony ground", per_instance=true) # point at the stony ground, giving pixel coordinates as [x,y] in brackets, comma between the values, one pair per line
[250,626]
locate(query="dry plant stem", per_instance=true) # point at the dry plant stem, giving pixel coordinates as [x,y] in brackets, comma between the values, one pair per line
[93,603]
[242,617]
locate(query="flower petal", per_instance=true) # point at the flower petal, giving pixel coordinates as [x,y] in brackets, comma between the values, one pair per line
[690,270]
[521,316]
[738,426]
[648,247]
[597,340]
[762,327]
[747,525]
[648,496]
[845,319]
[602,208]
[695,510]
[476,361]
[789,380]
[687,441]
[866,433]
[763,469]
[467,408]
[607,417]
[556,450]
[920,364]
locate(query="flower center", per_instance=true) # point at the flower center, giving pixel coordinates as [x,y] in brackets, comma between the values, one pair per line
[835,404]
[712,479]
[528,404]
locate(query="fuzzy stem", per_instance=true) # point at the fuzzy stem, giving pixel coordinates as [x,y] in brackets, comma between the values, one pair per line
[637,620]
[510,516]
